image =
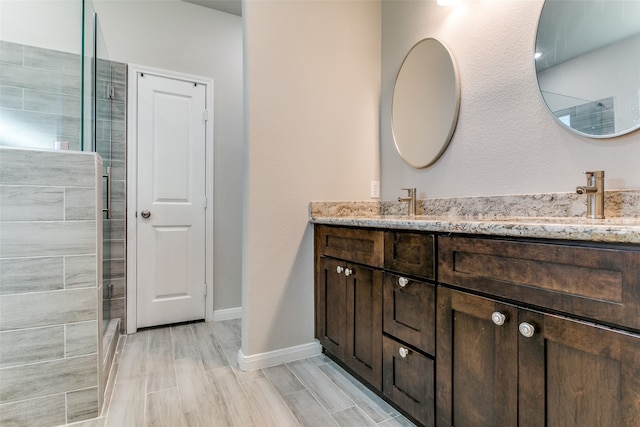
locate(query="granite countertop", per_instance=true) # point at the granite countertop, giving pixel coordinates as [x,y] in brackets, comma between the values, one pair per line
[511,216]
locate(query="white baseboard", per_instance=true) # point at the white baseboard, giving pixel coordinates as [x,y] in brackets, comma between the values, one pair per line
[278,357]
[227,314]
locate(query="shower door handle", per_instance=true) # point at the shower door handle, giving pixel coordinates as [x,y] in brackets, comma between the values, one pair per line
[107,209]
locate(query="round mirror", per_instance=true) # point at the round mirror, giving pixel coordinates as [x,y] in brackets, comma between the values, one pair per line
[588,66]
[426,99]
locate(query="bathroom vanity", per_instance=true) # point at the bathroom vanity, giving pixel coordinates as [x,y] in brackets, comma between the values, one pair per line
[485,322]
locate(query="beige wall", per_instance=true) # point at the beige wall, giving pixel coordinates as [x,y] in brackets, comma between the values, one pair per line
[506,141]
[183,37]
[311,76]
[312,96]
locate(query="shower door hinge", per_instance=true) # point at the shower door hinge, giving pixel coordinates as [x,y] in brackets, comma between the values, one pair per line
[205,116]
[111,91]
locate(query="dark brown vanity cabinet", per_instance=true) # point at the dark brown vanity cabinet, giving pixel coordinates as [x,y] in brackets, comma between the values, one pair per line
[501,365]
[409,298]
[375,310]
[514,332]
[409,345]
[509,364]
[349,298]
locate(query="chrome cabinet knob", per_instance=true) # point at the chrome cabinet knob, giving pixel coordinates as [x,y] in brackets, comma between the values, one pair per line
[348,272]
[403,281]
[145,214]
[339,269]
[527,329]
[498,318]
[403,352]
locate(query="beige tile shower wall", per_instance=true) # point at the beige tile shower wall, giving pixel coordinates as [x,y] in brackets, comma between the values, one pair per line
[50,287]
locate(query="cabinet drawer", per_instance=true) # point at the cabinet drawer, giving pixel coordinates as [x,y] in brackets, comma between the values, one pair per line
[410,253]
[408,380]
[351,244]
[409,311]
[599,283]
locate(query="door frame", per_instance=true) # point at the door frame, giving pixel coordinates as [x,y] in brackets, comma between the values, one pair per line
[132,187]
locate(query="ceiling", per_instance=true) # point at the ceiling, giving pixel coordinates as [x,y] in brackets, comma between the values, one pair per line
[233,7]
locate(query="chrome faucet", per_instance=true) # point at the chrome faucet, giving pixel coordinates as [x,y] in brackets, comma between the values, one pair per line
[410,199]
[595,194]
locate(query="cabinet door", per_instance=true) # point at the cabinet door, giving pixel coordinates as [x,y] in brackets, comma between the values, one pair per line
[598,283]
[410,253]
[577,374]
[352,244]
[408,380]
[409,311]
[364,323]
[331,297]
[477,371]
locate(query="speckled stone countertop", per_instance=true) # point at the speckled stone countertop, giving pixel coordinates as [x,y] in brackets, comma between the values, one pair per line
[548,216]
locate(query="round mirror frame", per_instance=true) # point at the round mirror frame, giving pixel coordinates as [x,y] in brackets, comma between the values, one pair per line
[605,115]
[425,104]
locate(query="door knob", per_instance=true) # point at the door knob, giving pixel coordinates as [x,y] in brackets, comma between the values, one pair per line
[145,214]
[498,318]
[527,329]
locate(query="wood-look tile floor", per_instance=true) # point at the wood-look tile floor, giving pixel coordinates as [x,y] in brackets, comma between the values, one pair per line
[187,375]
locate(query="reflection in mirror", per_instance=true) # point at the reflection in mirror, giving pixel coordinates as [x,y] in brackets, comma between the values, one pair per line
[587,64]
[426,99]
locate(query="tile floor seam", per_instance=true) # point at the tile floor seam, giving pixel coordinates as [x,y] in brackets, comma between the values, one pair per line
[337,386]
[146,383]
[281,396]
[312,393]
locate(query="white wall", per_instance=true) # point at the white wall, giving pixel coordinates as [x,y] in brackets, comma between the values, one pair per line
[50,24]
[506,141]
[312,100]
[183,37]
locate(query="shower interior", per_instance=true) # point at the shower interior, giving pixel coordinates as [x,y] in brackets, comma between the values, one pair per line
[56,99]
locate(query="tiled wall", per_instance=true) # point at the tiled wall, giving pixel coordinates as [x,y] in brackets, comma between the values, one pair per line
[50,287]
[40,102]
[40,97]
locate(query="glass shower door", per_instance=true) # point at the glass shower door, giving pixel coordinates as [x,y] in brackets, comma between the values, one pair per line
[100,111]
[103,119]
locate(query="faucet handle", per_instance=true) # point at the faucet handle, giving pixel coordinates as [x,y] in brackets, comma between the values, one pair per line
[597,174]
[410,191]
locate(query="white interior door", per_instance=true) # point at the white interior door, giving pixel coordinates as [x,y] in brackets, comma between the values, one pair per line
[171,237]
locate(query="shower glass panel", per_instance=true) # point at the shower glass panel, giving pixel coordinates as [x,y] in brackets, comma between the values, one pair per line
[41,74]
[99,109]
[56,92]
